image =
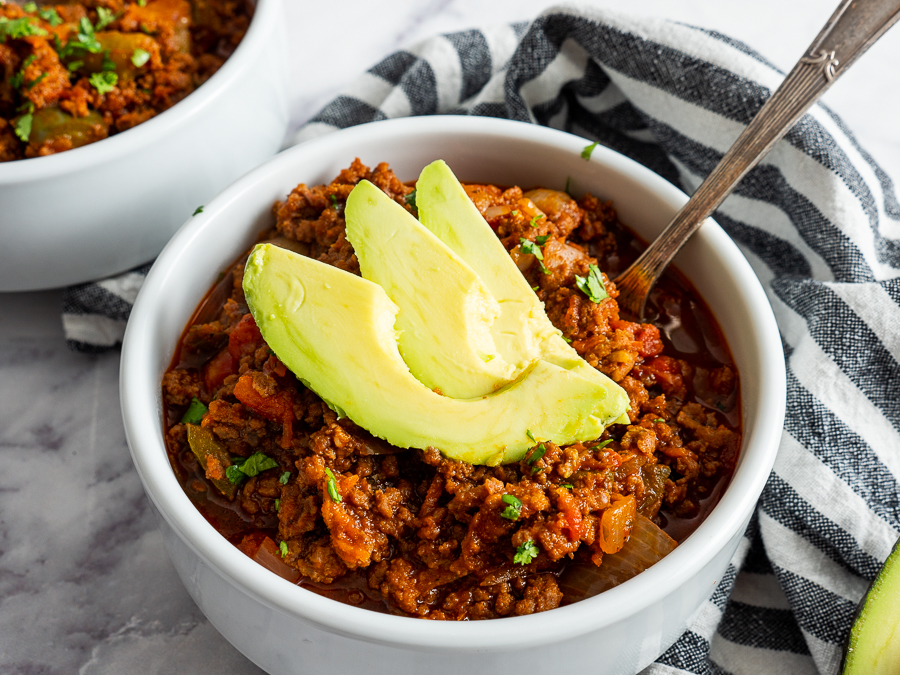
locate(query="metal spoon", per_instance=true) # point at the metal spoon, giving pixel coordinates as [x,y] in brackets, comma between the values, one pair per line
[851,30]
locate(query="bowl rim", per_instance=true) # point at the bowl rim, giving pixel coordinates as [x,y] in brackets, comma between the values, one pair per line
[725,521]
[168,121]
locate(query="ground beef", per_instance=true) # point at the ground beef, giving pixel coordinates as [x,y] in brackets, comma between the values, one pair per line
[413,532]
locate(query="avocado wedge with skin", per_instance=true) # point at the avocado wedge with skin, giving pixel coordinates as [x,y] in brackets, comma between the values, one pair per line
[446,312]
[335,331]
[873,647]
[446,210]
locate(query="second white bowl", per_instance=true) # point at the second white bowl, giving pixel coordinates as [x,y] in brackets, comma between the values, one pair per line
[108,206]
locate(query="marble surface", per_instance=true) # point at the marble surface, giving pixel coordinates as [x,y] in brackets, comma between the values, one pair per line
[85,584]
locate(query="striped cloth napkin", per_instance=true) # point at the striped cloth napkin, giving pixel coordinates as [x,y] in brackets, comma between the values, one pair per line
[819,222]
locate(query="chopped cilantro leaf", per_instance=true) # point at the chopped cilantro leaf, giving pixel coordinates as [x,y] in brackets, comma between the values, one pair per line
[588,149]
[104,82]
[592,285]
[540,241]
[251,466]
[284,478]
[534,220]
[75,65]
[513,509]
[515,212]
[139,57]
[526,552]
[256,463]
[605,443]
[51,16]
[104,18]
[537,454]
[22,127]
[18,28]
[36,80]
[197,211]
[30,7]
[530,436]
[234,474]
[568,486]
[332,486]
[567,339]
[195,412]
[142,3]
[85,39]
[18,79]
[411,199]
[283,547]
[531,248]
[535,288]
[277,504]
[659,419]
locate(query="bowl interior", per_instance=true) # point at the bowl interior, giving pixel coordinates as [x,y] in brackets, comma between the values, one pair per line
[477,149]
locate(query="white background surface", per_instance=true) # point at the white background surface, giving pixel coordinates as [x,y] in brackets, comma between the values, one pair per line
[867,97]
[85,586]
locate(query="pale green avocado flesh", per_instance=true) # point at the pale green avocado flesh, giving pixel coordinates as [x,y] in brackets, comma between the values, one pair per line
[446,210]
[874,644]
[336,332]
[446,312]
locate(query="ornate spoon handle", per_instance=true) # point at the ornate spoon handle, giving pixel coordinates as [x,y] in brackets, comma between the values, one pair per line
[852,29]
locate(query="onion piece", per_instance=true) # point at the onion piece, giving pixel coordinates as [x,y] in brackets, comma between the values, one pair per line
[494,212]
[269,557]
[523,261]
[647,546]
[551,202]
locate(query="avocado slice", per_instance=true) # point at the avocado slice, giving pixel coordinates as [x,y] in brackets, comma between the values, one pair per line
[446,210]
[335,331]
[446,312]
[873,647]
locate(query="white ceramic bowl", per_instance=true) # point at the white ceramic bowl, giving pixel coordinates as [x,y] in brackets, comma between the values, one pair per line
[285,629]
[106,207]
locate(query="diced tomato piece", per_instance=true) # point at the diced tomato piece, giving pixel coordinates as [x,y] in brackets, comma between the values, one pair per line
[245,338]
[217,369]
[278,408]
[574,524]
[568,505]
[651,342]
[667,372]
